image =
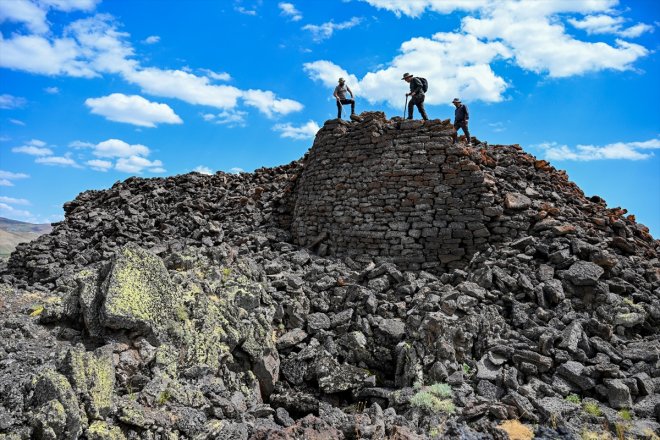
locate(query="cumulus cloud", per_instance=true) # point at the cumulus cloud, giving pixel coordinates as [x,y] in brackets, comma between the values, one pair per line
[9,211]
[607,24]
[301,132]
[133,109]
[201,169]
[6,177]
[152,39]
[616,150]
[236,170]
[9,101]
[80,144]
[119,148]
[230,118]
[289,10]
[324,31]
[99,165]
[534,38]
[64,161]
[94,46]
[34,147]
[454,64]
[268,103]
[137,164]
[26,12]
[13,201]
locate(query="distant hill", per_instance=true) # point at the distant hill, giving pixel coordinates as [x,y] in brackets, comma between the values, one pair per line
[13,232]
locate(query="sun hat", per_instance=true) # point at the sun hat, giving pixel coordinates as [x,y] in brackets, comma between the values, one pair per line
[406,75]
[456,100]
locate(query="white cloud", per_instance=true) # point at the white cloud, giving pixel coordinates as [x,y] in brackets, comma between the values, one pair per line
[267,102]
[325,30]
[6,177]
[535,36]
[33,147]
[221,76]
[64,161]
[99,165]
[52,90]
[203,170]
[152,39]
[230,118]
[289,10]
[17,122]
[305,131]
[10,211]
[617,150]
[185,86]
[245,11]
[9,101]
[236,170]
[71,5]
[80,144]
[119,148]
[137,164]
[454,64]
[636,30]
[93,46]
[24,11]
[13,201]
[133,109]
[607,24]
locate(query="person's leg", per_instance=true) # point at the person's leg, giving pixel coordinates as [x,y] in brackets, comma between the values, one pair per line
[468,139]
[422,110]
[352,106]
[454,135]
[338,109]
[411,106]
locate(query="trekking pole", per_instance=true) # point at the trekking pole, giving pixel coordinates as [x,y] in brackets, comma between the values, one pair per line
[405,107]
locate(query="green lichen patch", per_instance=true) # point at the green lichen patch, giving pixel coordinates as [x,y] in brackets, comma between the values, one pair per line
[103,431]
[49,386]
[139,294]
[92,375]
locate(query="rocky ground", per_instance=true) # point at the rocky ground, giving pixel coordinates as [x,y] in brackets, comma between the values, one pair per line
[180,308]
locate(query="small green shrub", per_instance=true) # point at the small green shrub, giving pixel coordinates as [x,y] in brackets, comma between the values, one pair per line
[573,398]
[467,370]
[432,403]
[163,397]
[440,390]
[625,414]
[592,409]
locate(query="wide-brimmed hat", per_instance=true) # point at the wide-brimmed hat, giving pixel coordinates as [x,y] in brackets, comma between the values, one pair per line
[456,100]
[341,80]
[406,75]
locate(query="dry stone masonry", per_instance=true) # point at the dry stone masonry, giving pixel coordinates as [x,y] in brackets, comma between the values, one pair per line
[396,191]
[388,285]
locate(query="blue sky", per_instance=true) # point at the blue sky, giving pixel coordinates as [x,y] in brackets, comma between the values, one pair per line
[92,92]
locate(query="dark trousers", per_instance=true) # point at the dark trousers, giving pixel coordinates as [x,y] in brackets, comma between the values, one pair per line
[341,102]
[464,126]
[417,100]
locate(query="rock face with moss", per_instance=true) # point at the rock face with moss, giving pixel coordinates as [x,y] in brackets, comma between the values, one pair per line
[388,285]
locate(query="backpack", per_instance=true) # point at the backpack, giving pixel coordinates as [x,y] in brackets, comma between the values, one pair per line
[425,84]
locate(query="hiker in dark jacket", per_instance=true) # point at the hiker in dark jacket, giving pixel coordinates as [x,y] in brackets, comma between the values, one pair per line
[461,117]
[340,96]
[416,94]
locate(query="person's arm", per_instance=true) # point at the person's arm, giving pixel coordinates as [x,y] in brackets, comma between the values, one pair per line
[335,94]
[350,91]
[415,86]
[467,115]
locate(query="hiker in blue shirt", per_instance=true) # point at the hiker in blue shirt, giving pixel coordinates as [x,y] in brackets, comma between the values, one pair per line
[417,95]
[461,117]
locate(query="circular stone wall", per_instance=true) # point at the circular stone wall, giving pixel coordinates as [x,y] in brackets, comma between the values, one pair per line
[392,190]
